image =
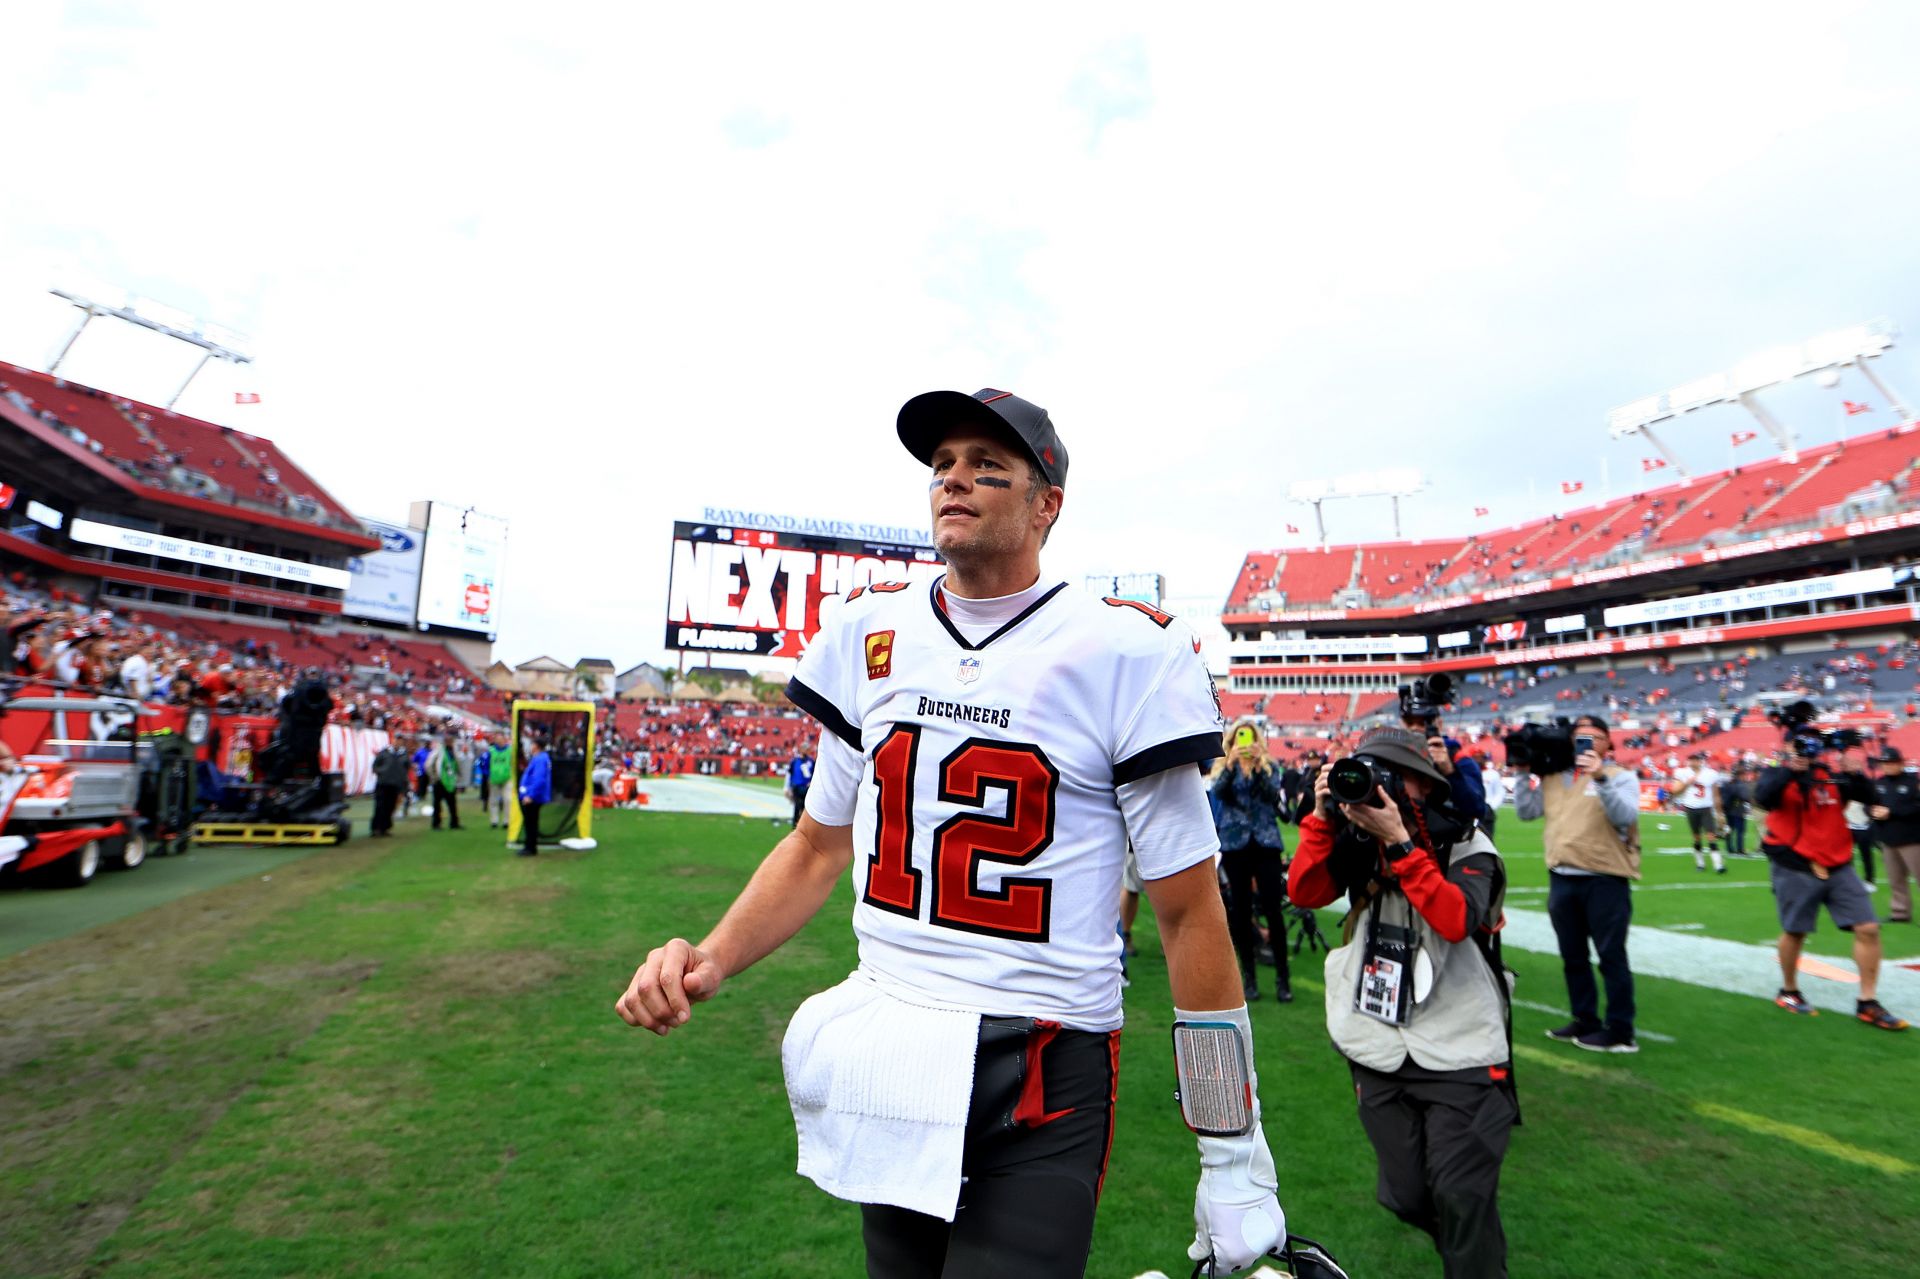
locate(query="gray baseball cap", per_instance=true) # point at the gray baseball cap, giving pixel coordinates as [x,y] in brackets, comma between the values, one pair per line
[1402,748]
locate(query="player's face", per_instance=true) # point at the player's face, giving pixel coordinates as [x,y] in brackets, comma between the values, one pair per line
[980,499]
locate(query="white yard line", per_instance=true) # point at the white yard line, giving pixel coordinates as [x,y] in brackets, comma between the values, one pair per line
[1739,968]
[1638,1031]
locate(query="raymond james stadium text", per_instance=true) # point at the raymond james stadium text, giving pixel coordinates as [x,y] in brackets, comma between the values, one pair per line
[821,528]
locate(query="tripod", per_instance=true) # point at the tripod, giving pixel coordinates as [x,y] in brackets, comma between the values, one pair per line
[1304,925]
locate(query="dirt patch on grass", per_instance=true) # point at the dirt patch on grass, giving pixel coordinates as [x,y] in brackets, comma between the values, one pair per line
[480,974]
[126,1038]
[531,894]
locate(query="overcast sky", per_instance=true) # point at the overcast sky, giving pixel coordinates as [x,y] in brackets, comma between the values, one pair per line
[596,267]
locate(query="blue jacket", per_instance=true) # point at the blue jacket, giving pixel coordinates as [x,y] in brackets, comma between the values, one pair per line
[536,784]
[1469,792]
[1249,811]
[799,772]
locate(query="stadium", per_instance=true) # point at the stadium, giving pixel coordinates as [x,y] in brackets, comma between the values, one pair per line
[1683,612]
[352,764]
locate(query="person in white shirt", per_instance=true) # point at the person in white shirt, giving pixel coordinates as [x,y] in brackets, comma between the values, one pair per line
[1697,791]
[992,740]
[136,673]
[1495,782]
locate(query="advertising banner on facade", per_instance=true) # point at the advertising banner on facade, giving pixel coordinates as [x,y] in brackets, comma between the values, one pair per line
[387,582]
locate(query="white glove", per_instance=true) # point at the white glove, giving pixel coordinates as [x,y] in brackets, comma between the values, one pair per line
[1236,1211]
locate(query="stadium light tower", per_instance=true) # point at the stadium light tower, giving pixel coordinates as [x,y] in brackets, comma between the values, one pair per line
[1393,484]
[215,343]
[1828,353]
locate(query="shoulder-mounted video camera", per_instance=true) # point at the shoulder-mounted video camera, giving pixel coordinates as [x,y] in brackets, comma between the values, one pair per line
[1804,737]
[1424,698]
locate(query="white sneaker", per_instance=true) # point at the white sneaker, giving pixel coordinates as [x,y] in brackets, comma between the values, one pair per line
[1870,886]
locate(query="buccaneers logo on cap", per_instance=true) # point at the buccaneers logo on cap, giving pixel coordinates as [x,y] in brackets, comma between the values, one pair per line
[879,654]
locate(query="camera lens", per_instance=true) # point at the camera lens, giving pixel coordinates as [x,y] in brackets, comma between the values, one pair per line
[1350,781]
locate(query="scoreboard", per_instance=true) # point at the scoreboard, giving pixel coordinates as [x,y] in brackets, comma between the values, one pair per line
[759,592]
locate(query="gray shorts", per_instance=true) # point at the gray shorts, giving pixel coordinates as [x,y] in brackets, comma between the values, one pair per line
[1130,872]
[1798,895]
[1702,821]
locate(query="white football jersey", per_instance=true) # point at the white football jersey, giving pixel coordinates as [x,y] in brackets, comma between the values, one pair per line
[1696,786]
[988,840]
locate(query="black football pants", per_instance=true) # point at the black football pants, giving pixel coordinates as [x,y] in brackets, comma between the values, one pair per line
[1439,1146]
[1038,1131]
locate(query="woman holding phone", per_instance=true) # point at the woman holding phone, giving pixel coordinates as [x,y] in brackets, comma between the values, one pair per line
[1246,785]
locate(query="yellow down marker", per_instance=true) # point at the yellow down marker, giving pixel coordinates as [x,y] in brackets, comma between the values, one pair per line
[1807,1138]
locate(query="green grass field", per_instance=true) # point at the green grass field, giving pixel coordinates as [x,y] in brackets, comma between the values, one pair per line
[400,1058]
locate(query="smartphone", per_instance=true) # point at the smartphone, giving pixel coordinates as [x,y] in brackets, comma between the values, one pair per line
[1582,744]
[1242,737]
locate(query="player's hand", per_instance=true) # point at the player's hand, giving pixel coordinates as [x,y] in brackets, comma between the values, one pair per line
[1879,812]
[1236,1212]
[664,989]
[1587,762]
[1437,752]
[1383,824]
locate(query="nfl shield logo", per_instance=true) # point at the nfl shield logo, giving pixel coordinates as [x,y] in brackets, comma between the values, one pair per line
[969,669]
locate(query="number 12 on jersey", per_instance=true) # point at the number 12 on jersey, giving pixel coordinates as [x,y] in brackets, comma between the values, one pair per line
[1021,907]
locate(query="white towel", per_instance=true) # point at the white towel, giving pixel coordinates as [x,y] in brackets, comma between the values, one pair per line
[880,1090]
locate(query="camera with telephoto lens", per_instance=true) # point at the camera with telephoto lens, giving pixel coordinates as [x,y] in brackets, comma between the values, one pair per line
[1424,698]
[1353,781]
[1804,738]
[1542,749]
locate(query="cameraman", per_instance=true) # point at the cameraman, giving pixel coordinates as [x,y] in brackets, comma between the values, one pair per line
[1592,838]
[1811,851]
[1415,998]
[1460,772]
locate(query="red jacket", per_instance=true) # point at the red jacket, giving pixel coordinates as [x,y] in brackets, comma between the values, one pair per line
[1810,817]
[1311,884]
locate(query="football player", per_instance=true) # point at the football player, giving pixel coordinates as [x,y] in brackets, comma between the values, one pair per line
[991,741]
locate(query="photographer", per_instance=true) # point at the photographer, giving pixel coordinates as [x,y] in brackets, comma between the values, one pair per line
[1416,1000]
[1811,851]
[1592,837]
[1420,704]
[1896,823]
[1296,787]
[1246,782]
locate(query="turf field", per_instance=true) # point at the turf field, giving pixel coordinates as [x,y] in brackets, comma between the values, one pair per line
[399,1058]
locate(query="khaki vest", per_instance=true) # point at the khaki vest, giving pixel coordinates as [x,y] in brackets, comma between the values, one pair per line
[1578,833]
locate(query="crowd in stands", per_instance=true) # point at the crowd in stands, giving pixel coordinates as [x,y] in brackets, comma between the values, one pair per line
[1828,484]
[223,665]
[1661,712]
[695,736]
[169,451]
